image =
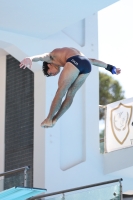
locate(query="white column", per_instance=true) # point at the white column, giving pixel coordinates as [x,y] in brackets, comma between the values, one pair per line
[2,114]
[39,133]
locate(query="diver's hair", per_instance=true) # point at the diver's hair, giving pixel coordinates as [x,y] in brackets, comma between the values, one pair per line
[45,69]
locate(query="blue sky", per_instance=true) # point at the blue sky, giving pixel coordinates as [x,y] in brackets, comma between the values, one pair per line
[115,26]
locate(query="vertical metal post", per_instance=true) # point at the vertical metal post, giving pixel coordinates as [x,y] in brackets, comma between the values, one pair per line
[121,194]
[63,197]
[25,177]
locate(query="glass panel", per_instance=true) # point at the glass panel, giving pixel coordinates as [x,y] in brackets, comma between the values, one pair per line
[102,146]
[110,192]
[14,180]
[101,135]
[1,184]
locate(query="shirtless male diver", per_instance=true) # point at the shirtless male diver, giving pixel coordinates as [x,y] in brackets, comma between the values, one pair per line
[76,68]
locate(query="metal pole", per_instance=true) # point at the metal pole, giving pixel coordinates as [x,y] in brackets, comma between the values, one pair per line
[63,197]
[15,171]
[25,177]
[121,193]
[101,106]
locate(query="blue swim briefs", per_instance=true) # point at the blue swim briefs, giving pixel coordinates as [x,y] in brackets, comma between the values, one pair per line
[81,63]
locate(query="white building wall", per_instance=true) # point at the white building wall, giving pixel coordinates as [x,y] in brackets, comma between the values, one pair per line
[52,159]
[66,155]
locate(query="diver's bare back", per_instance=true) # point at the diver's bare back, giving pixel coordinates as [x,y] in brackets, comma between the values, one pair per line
[60,55]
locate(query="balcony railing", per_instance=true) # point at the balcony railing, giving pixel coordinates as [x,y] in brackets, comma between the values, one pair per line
[16,177]
[109,190]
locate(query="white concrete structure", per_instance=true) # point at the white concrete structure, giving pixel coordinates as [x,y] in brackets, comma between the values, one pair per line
[67,155]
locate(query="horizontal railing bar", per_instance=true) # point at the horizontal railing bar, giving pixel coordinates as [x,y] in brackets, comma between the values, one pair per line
[15,170]
[101,106]
[75,189]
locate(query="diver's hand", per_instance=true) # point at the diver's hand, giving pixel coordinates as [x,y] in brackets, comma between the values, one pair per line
[118,71]
[27,62]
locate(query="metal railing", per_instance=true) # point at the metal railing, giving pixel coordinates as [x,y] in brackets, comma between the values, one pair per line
[79,188]
[22,169]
